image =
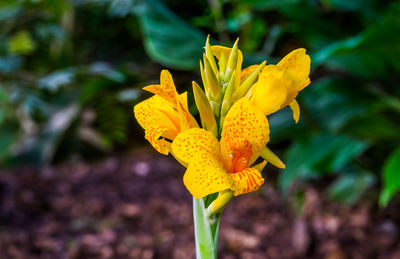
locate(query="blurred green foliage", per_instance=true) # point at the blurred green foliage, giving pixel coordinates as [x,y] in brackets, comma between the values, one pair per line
[70,72]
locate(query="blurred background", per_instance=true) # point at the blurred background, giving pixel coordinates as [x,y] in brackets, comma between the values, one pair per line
[78,180]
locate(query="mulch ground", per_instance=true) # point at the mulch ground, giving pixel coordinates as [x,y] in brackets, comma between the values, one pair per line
[138,207]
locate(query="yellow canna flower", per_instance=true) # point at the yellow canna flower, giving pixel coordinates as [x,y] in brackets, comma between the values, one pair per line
[214,166]
[164,115]
[278,85]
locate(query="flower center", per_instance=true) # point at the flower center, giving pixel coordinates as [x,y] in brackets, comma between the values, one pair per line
[241,157]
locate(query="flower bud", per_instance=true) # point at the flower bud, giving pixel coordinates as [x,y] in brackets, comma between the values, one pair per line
[205,110]
[248,83]
[212,80]
[231,66]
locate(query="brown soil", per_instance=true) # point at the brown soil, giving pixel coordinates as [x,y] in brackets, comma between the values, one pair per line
[138,207]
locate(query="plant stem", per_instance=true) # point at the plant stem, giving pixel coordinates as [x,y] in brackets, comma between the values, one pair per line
[206,231]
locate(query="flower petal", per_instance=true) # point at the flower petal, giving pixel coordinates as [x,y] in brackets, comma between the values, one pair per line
[194,142]
[153,134]
[159,120]
[244,124]
[270,91]
[205,175]
[166,89]
[185,118]
[156,111]
[296,110]
[247,180]
[298,62]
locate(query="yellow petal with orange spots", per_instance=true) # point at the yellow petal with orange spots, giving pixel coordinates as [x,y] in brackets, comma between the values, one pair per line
[183,111]
[247,180]
[193,142]
[296,110]
[218,50]
[205,175]
[153,135]
[156,111]
[271,89]
[244,134]
[166,89]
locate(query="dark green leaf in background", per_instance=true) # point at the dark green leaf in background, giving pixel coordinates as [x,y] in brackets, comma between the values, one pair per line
[372,53]
[390,177]
[8,137]
[168,39]
[349,187]
[334,102]
[316,155]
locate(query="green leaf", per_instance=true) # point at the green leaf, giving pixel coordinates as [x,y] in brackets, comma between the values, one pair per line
[40,148]
[316,155]
[9,11]
[270,4]
[349,187]
[335,102]
[355,5]
[10,64]
[168,39]
[372,53]
[282,125]
[120,8]
[301,15]
[374,127]
[8,136]
[106,70]
[57,79]
[390,177]
[21,43]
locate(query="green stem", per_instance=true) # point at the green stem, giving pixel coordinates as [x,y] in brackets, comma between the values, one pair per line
[206,231]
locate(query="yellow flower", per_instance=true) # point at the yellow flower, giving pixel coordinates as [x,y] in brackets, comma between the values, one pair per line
[214,166]
[164,115]
[278,85]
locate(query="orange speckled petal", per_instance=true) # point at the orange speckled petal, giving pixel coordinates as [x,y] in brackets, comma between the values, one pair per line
[166,89]
[153,134]
[298,62]
[156,111]
[244,123]
[194,142]
[183,111]
[184,106]
[247,180]
[205,175]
